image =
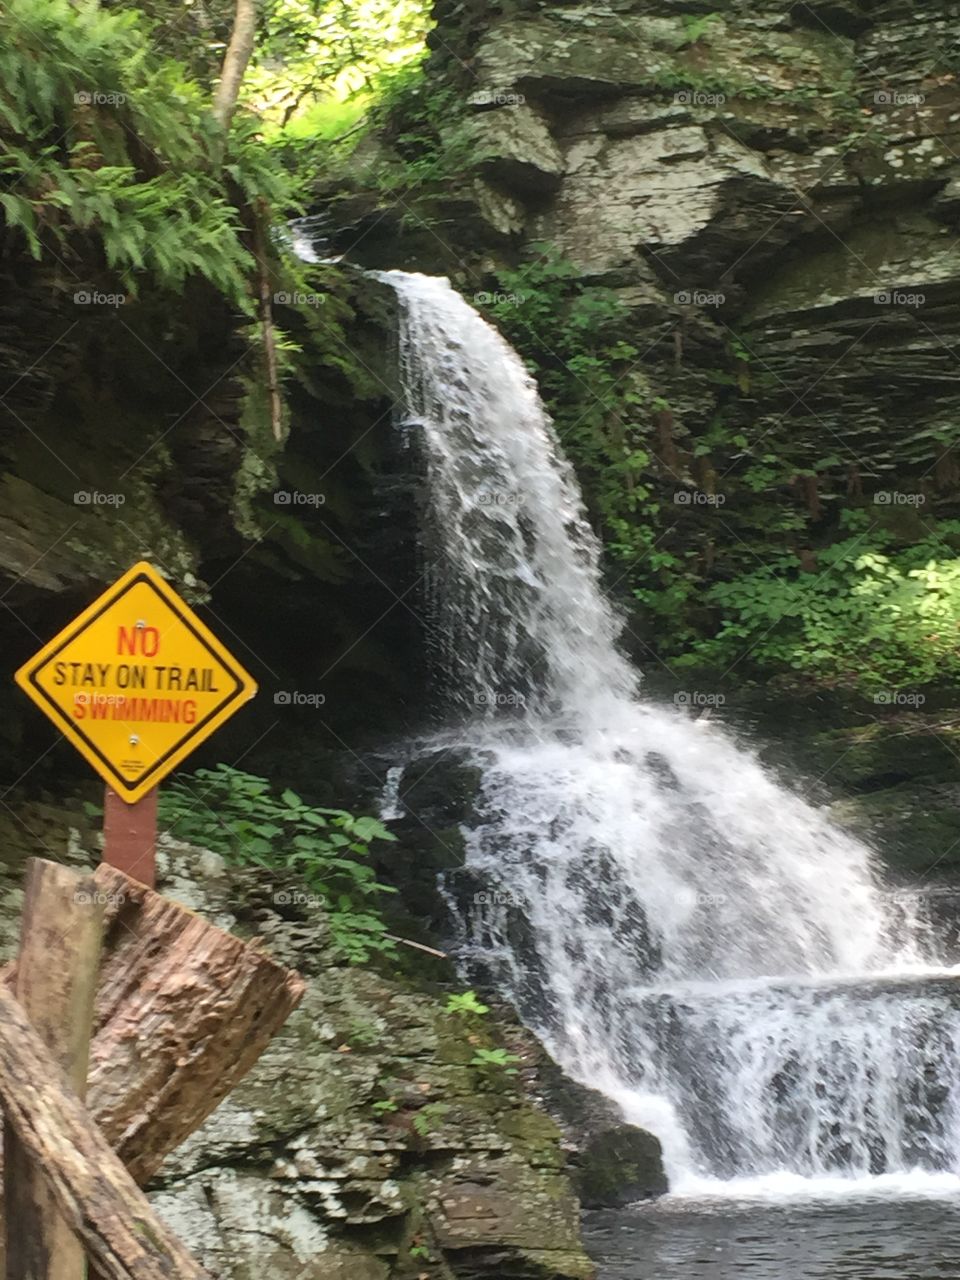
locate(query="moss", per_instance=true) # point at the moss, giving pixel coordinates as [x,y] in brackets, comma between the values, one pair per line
[256,473]
[619,1166]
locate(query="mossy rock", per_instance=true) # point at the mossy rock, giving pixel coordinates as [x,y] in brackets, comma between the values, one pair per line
[618,1166]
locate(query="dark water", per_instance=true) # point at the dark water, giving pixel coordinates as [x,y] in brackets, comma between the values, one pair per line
[720,1240]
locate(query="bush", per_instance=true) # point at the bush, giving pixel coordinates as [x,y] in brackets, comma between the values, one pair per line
[103,138]
[873,615]
[237,815]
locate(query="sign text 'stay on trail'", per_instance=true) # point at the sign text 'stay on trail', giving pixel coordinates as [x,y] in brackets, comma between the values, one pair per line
[136,682]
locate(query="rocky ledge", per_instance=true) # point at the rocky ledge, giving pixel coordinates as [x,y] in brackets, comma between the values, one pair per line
[367,1144]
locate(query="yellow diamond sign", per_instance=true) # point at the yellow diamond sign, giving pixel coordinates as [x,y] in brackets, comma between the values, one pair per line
[136,682]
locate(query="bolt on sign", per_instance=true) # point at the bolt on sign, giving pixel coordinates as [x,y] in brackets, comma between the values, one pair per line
[136,682]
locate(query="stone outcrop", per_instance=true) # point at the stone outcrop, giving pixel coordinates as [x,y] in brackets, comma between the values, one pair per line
[612,1163]
[366,1144]
[137,431]
[772,191]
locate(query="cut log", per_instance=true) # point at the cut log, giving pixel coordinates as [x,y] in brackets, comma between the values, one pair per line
[56,978]
[183,1011]
[93,1191]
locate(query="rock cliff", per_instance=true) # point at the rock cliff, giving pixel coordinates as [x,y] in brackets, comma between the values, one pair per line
[773,193]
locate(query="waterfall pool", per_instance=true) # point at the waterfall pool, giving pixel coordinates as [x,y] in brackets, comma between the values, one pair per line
[893,1236]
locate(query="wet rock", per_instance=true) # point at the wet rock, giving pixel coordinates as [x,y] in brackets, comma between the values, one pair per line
[614,1163]
[618,1166]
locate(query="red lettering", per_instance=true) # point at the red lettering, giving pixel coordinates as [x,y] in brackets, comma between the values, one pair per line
[144,639]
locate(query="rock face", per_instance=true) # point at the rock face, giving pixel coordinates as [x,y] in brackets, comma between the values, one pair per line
[773,191]
[138,431]
[366,1144]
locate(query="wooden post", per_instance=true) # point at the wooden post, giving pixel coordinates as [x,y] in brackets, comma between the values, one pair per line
[130,836]
[123,1236]
[56,980]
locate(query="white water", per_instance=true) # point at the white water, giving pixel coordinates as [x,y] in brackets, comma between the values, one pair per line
[682,931]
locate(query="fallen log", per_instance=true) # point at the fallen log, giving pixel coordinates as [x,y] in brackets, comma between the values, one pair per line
[95,1194]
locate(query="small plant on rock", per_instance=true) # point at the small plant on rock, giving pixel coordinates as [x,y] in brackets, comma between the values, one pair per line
[495,1060]
[466,1004]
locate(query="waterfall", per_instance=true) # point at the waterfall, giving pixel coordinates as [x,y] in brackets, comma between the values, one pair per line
[680,929]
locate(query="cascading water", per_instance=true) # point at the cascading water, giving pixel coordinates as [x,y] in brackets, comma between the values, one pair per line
[681,930]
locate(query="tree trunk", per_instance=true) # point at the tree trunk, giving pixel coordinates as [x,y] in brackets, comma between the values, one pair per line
[235,62]
[183,1012]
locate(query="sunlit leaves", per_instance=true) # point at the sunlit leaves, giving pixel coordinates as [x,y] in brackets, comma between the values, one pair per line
[315,50]
[101,135]
[873,615]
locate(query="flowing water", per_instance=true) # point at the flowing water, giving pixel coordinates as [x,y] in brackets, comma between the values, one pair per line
[681,930]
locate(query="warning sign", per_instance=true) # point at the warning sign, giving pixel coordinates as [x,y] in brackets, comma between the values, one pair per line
[136,682]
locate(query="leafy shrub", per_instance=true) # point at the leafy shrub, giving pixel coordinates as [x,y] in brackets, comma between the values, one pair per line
[872,615]
[237,815]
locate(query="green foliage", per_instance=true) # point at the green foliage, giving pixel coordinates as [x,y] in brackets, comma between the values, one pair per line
[325,53]
[466,1005]
[495,1060]
[873,615]
[386,1106]
[329,73]
[421,120]
[102,138]
[575,340]
[697,25]
[238,815]
[430,1117]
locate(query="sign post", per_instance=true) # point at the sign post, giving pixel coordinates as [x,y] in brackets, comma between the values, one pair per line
[130,835]
[135,682]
